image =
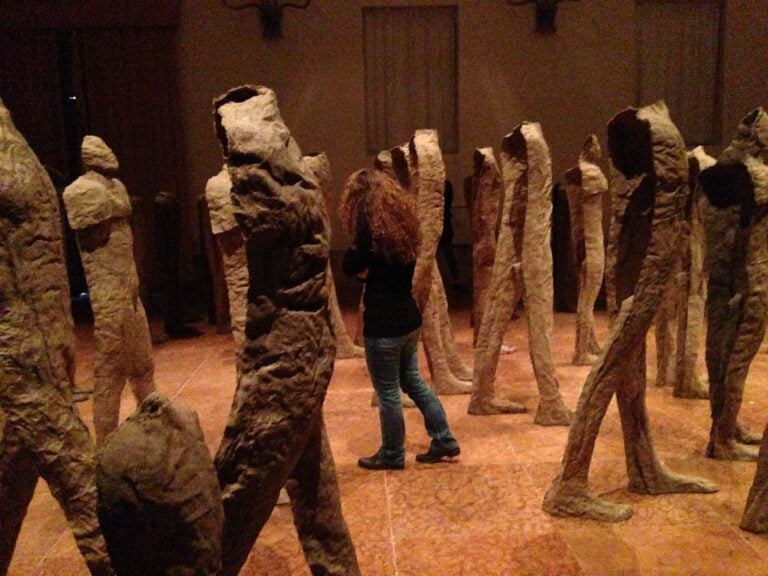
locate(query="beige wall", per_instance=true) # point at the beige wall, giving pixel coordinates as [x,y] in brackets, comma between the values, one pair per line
[571,83]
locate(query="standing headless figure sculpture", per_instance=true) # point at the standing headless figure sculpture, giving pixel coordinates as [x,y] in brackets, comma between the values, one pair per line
[43,434]
[524,241]
[418,167]
[648,151]
[586,185]
[737,292]
[98,210]
[275,435]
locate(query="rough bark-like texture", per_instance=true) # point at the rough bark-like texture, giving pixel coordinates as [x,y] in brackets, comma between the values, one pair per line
[585,185]
[690,313]
[755,516]
[98,210]
[43,434]
[618,193]
[737,293]
[276,421]
[159,498]
[229,240]
[318,166]
[501,293]
[646,147]
[487,193]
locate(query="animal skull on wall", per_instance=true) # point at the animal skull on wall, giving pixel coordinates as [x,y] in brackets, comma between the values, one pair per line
[270,13]
[546,11]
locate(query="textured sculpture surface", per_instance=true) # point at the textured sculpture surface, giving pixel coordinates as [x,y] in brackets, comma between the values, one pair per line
[159,499]
[647,149]
[319,167]
[690,284]
[524,242]
[418,167]
[737,291]
[586,184]
[276,432]
[43,434]
[229,240]
[98,210]
[487,193]
[755,516]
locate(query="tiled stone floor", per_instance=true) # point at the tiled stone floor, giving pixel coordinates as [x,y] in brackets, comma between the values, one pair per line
[482,514]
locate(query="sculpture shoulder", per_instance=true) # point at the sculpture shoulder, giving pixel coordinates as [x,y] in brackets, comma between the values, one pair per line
[93,198]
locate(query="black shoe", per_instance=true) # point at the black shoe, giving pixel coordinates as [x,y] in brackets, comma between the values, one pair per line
[434,455]
[376,462]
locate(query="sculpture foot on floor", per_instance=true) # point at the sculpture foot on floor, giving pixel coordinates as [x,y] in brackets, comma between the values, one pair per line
[407,402]
[348,352]
[553,413]
[493,405]
[464,374]
[698,390]
[744,436]
[507,349]
[732,450]
[585,359]
[452,387]
[581,504]
[666,482]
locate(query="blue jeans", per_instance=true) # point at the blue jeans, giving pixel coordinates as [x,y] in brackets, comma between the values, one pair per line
[393,363]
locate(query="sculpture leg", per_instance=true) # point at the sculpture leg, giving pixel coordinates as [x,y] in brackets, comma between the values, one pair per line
[107,390]
[455,363]
[587,347]
[316,507]
[647,475]
[723,443]
[48,427]
[345,347]
[690,322]
[723,310]
[569,494]
[665,336]
[489,342]
[443,380]
[755,516]
[552,411]
[18,479]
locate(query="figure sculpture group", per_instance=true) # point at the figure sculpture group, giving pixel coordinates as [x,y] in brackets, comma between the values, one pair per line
[268,212]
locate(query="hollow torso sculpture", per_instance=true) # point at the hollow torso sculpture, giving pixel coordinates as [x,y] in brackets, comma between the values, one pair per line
[737,291]
[586,185]
[43,434]
[523,242]
[276,433]
[648,152]
[98,209]
[159,498]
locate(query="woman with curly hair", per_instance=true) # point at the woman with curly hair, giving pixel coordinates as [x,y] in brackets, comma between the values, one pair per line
[382,219]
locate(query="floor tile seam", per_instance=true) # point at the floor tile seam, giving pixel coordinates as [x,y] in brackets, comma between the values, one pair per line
[194,373]
[744,536]
[390,525]
[47,555]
